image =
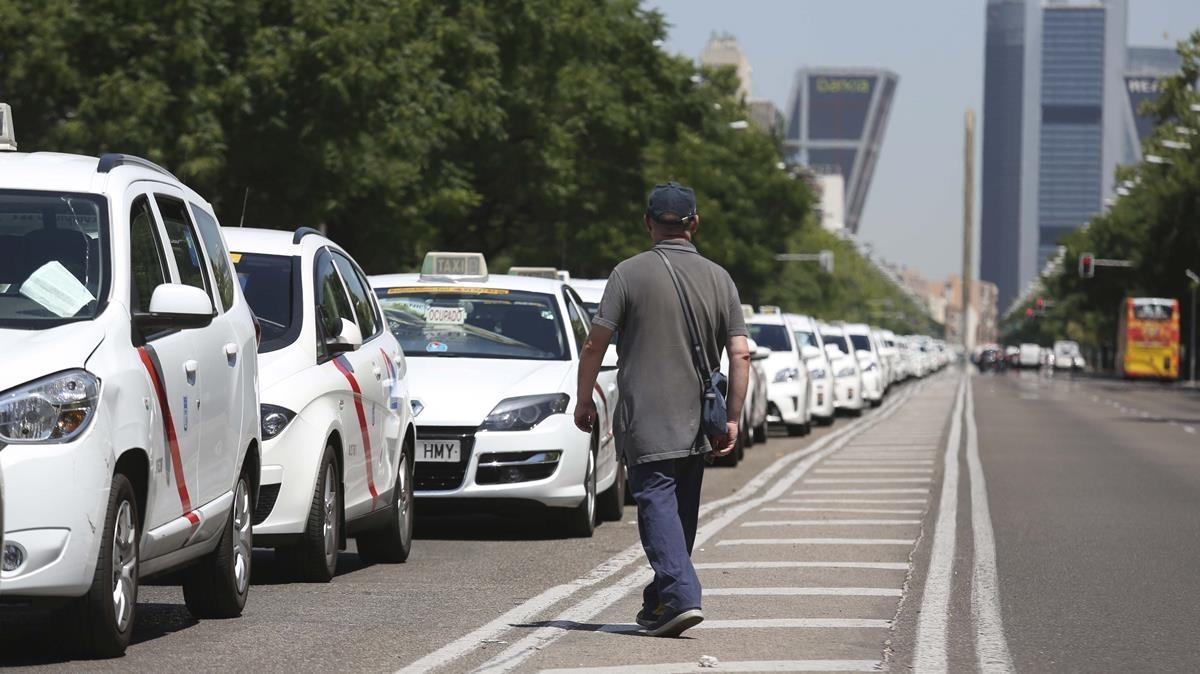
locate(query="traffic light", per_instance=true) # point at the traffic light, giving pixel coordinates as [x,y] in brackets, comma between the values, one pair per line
[1041,305]
[1029,312]
[1087,265]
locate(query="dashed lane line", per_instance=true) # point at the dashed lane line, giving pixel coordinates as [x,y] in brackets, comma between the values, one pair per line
[730,666]
[873,471]
[825,523]
[524,648]
[531,608]
[852,500]
[883,566]
[876,511]
[760,623]
[817,541]
[803,591]
[930,653]
[878,462]
[991,648]
[805,492]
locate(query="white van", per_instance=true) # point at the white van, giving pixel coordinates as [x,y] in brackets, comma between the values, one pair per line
[129,426]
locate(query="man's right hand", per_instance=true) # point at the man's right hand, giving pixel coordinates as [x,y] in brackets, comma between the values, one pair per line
[724,444]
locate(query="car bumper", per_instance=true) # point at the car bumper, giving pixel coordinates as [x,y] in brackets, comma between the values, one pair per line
[848,394]
[786,403]
[56,501]
[488,456]
[872,386]
[287,479]
[822,400]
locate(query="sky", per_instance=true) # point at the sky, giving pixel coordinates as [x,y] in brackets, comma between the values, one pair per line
[913,213]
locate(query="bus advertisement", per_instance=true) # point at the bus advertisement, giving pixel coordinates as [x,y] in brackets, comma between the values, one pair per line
[1148,338]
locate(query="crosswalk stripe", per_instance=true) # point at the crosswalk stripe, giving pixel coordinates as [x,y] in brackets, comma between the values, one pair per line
[759,623]
[859,471]
[826,523]
[882,566]
[803,591]
[852,500]
[845,480]
[817,541]
[730,666]
[878,511]
[804,492]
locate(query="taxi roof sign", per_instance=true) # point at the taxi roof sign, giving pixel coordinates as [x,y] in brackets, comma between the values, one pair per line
[536,272]
[747,311]
[438,264]
[8,137]
[769,310]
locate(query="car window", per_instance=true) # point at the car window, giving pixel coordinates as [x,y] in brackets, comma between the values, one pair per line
[148,266]
[771,335]
[360,299]
[184,245]
[270,284]
[210,232]
[579,324]
[332,303]
[861,342]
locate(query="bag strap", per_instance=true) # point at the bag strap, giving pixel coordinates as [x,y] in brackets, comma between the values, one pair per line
[699,358]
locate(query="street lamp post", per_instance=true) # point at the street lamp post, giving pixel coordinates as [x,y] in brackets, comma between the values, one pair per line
[1195,279]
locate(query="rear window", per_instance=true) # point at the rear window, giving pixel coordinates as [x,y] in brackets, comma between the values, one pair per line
[836,340]
[270,283]
[860,342]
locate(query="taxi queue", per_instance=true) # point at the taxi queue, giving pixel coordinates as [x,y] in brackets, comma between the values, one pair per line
[193,392]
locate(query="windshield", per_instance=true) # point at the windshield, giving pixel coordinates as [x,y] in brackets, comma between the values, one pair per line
[269,283]
[860,342]
[450,322]
[836,340]
[53,257]
[805,338]
[770,335]
[1152,311]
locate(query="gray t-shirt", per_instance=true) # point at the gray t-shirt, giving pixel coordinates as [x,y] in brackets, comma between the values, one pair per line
[658,413]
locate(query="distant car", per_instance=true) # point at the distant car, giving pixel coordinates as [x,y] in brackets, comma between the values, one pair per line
[991,360]
[1067,356]
[847,373]
[869,361]
[788,390]
[1030,355]
[820,371]
[1012,356]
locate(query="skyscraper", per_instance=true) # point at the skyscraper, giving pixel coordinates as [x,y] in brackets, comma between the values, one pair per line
[1144,67]
[836,120]
[1055,127]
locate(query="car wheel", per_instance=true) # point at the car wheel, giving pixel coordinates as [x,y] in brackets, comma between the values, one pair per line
[612,501]
[314,558]
[218,584]
[580,521]
[105,615]
[795,430]
[392,543]
[762,431]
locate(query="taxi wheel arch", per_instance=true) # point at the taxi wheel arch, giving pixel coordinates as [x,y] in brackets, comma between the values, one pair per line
[134,464]
[388,544]
[580,521]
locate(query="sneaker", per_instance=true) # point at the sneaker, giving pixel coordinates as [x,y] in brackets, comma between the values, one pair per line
[646,618]
[676,624]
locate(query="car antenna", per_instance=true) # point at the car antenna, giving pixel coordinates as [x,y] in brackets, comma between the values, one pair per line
[245,198]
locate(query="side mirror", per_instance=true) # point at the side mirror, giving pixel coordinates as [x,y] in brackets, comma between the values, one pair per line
[174,306]
[761,353]
[808,351]
[349,338]
[833,351]
[610,358]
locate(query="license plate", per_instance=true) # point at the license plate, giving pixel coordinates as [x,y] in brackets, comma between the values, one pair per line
[439,450]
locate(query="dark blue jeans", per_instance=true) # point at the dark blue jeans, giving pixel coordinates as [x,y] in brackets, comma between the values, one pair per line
[668,499]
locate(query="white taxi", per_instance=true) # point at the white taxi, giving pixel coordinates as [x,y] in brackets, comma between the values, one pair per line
[493,362]
[788,390]
[870,362]
[337,430]
[128,394]
[847,374]
[820,371]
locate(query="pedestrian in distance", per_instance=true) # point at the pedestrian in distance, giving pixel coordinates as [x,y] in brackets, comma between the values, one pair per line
[674,311]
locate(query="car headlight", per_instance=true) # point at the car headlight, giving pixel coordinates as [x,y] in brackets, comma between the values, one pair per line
[274,420]
[846,372]
[524,412]
[52,409]
[870,367]
[817,374]
[787,374]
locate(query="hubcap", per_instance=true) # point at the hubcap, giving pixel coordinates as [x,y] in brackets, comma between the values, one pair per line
[124,565]
[404,499]
[331,516]
[242,536]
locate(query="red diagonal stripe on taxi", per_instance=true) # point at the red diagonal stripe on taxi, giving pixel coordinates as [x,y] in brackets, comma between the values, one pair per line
[150,360]
[344,367]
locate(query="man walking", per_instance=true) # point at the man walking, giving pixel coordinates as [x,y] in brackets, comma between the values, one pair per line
[658,418]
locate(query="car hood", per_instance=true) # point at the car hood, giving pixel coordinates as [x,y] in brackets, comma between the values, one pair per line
[26,355]
[462,391]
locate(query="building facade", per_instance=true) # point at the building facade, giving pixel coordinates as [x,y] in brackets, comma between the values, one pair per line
[837,118]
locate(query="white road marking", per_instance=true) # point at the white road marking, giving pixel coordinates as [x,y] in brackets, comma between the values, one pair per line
[816,541]
[805,492]
[730,666]
[803,591]
[528,610]
[864,480]
[759,623]
[825,523]
[877,511]
[1189,429]
[877,462]
[524,648]
[860,471]
[991,648]
[852,500]
[930,652]
[888,566]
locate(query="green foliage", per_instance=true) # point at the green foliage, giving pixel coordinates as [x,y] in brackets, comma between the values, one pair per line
[1156,226]
[529,130]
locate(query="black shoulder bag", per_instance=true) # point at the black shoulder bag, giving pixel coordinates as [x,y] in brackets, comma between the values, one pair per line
[713,384]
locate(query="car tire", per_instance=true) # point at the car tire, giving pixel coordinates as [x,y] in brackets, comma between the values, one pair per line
[392,543]
[314,558]
[102,619]
[762,431]
[580,521]
[796,430]
[217,585]
[612,501]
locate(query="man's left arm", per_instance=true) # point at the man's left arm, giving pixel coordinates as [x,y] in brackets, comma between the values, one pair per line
[591,358]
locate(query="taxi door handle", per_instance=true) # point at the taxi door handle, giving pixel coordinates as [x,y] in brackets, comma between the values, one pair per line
[378,372]
[231,352]
[189,371]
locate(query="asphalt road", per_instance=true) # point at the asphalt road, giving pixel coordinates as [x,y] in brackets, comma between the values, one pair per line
[999,522]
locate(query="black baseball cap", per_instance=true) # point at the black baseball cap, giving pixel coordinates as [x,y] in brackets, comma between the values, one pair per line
[671,199]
